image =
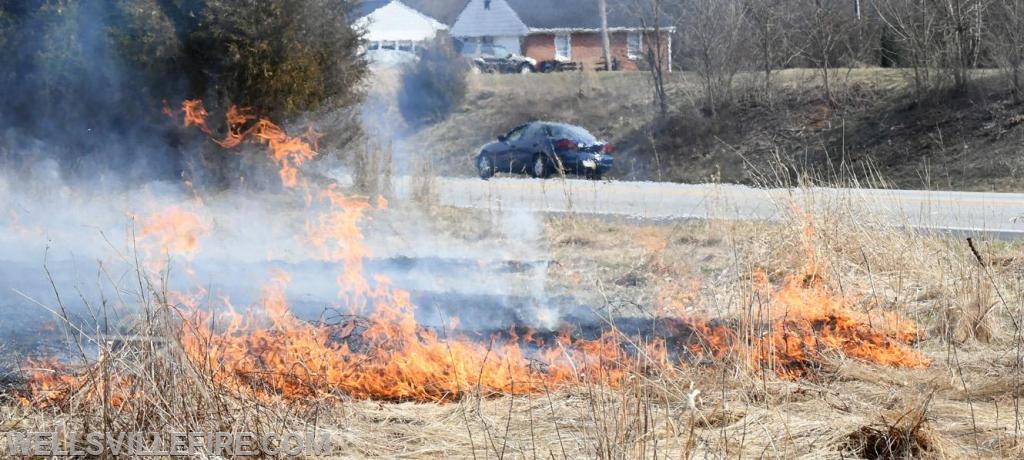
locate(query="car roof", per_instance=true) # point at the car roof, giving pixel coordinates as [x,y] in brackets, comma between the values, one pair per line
[559,124]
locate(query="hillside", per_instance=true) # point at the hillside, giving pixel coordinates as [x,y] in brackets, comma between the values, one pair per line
[876,130]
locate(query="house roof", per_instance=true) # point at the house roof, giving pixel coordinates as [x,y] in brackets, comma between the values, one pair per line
[553,15]
[585,14]
[398,21]
[445,11]
[488,18]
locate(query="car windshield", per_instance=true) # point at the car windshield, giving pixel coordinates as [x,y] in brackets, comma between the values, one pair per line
[500,51]
[574,133]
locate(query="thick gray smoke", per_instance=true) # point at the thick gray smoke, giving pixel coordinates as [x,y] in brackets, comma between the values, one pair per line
[82,180]
[71,105]
[80,250]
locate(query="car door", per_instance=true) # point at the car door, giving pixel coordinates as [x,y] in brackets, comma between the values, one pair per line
[487,56]
[531,143]
[503,154]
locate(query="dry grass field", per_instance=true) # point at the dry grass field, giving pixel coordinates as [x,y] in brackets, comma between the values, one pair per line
[949,388]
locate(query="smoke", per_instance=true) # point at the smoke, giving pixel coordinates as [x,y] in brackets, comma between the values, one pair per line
[89,159]
[64,246]
[71,104]
[488,285]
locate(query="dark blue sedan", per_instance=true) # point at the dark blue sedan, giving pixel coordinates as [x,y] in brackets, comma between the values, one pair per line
[541,149]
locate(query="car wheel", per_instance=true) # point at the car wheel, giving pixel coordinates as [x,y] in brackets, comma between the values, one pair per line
[525,68]
[541,167]
[484,166]
[594,175]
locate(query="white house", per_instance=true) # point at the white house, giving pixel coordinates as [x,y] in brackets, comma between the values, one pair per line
[398,27]
[493,22]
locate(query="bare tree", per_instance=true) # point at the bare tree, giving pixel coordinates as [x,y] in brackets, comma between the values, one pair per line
[824,27]
[766,20]
[714,36]
[942,40]
[961,25]
[653,15]
[1006,39]
[913,24]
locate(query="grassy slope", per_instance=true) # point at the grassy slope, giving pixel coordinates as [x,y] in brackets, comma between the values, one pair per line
[963,142]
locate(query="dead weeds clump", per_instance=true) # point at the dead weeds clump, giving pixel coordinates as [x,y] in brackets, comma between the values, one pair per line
[896,436]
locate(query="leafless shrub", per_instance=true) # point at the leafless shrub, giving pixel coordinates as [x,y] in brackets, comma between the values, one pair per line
[1005,35]
[715,38]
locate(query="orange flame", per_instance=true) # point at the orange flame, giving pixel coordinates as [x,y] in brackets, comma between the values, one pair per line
[172,231]
[380,351]
[195,115]
[392,358]
[287,152]
[806,322]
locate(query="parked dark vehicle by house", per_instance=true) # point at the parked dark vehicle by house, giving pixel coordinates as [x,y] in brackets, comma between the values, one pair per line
[542,148]
[489,58]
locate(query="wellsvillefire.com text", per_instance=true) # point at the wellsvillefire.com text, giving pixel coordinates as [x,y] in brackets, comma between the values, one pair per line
[151,444]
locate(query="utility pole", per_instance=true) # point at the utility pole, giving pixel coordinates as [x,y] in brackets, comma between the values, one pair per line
[605,41]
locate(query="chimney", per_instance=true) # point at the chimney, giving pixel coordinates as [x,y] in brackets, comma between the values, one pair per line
[487,4]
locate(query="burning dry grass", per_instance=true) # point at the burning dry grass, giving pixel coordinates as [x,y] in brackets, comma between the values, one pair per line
[960,405]
[823,335]
[966,312]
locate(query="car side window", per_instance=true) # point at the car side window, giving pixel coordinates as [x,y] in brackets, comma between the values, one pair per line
[534,132]
[516,134]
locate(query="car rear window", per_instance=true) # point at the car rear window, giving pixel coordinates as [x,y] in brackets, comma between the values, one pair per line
[572,132]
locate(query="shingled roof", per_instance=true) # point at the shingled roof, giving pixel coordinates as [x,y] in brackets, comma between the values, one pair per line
[489,18]
[445,11]
[585,14]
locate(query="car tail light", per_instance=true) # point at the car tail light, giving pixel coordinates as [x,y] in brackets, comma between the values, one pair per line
[608,148]
[565,144]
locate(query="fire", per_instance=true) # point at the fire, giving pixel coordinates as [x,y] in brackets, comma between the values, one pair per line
[195,115]
[52,382]
[287,152]
[806,322]
[378,350]
[172,231]
[384,356]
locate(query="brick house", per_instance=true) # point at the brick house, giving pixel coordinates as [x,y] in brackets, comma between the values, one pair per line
[567,30]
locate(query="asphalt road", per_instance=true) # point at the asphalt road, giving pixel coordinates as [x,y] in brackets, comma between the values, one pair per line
[994,214]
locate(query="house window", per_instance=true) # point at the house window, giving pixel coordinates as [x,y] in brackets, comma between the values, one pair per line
[374,45]
[487,40]
[563,47]
[405,45]
[634,45]
[387,45]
